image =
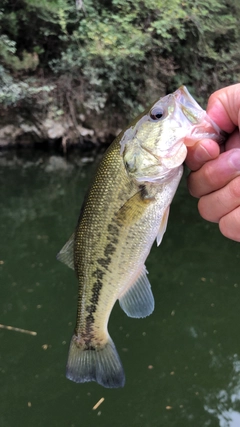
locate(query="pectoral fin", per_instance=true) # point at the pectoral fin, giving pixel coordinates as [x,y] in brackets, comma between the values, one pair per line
[66,254]
[138,301]
[163,226]
[135,207]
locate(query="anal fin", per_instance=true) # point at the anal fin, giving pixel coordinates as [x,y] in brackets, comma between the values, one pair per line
[138,301]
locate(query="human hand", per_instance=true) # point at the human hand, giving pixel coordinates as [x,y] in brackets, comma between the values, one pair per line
[215,176]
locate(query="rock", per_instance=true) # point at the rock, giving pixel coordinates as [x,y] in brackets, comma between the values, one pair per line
[85,131]
[54,129]
[56,163]
[30,129]
[82,117]
[9,134]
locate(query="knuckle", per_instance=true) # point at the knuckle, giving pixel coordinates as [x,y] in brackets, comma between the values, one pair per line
[192,185]
[229,225]
[234,188]
[211,178]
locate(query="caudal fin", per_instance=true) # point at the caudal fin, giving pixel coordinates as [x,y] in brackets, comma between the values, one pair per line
[102,365]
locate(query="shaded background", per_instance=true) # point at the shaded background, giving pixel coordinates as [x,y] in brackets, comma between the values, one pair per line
[182,363]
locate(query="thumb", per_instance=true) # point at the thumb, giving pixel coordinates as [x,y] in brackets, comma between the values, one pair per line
[224,107]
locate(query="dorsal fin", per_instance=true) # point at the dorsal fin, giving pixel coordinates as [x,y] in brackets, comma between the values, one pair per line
[66,254]
[138,301]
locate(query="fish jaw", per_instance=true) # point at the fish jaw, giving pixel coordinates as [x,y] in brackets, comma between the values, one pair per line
[202,125]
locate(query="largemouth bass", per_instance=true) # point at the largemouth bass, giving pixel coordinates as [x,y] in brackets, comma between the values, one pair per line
[125,210]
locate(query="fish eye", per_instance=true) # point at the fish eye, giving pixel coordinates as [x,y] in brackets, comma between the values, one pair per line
[156,113]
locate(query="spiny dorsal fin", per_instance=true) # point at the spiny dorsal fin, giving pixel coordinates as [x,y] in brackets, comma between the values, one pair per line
[66,254]
[138,301]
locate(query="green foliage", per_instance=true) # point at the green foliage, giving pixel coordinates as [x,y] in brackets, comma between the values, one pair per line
[117,56]
[11,92]
[208,56]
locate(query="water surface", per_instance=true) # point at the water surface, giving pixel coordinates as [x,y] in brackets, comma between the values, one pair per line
[182,363]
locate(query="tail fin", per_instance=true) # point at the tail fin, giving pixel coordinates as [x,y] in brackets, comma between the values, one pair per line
[102,365]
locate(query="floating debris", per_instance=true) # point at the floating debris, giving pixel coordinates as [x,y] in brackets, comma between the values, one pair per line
[45,346]
[23,331]
[98,403]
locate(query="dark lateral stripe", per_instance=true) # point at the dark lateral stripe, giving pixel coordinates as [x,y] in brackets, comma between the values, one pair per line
[104,262]
[99,275]
[113,229]
[109,250]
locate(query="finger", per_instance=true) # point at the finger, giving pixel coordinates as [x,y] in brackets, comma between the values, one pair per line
[216,205]
[229,225]
[224,107]
[201,152]
[215,174]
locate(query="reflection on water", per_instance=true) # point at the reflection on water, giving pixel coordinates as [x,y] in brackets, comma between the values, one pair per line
[182,363]
[225,403]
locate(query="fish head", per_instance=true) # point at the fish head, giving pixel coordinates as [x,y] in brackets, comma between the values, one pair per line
[154,145]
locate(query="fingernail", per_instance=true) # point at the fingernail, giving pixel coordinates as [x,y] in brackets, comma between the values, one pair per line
[234,159]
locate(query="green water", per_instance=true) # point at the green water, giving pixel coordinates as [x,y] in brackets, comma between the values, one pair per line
[182,363]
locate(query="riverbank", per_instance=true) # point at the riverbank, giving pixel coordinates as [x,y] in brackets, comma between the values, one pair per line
[52,129]
[71,74]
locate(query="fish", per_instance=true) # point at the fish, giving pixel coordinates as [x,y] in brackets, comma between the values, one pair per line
[125,210]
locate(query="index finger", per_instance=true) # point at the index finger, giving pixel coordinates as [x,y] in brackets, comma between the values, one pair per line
[201,152]
[215,174]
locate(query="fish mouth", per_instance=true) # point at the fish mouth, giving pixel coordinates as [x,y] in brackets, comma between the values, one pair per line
[183,97]
[190,109]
